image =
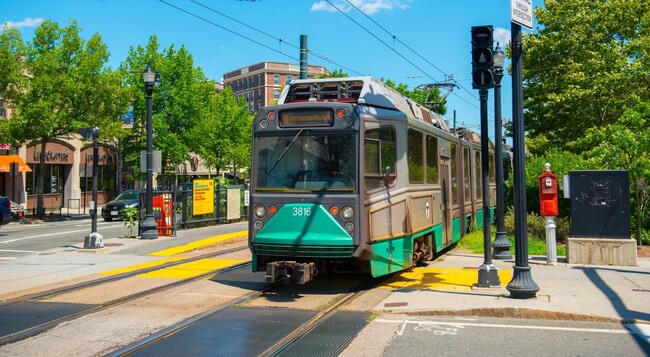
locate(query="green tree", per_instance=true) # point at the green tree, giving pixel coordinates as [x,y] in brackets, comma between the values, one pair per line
[587,63]
[56,84]
[426,98]
[337,73]
[226,135]
[179,103]
[626,145]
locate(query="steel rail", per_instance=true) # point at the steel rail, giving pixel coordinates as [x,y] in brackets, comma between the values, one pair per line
[34,330]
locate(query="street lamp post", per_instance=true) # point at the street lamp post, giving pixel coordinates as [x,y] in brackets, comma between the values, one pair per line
[522,284]
[93,240]
[149,224]
[501,244]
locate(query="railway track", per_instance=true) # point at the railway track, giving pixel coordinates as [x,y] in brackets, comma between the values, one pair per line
[289,329]
[26,305]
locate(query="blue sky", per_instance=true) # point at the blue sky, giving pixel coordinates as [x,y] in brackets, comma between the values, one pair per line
[437,30]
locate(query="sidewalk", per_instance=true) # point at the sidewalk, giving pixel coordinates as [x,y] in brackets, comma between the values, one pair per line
[566,291]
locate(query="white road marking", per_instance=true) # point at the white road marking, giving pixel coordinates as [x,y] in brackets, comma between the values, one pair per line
[45,235]
[452,326]
[17,251]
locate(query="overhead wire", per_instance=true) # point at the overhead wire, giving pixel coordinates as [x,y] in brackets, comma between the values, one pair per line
[281,41]
[325,58]
[405,45]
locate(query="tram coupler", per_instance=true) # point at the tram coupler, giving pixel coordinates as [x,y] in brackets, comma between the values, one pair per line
[289,272]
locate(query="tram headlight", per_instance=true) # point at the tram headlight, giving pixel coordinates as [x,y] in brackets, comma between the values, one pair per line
[340,113]
[273,209]
[258,225]
[260,211]
[264,123]
[349,226]
[348,121]
[347,213]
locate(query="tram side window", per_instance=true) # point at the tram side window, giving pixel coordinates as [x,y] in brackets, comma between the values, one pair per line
[415,157]
[479,183]
[491,168]
[454,174]
[432,159]
[466,173]
[379,156]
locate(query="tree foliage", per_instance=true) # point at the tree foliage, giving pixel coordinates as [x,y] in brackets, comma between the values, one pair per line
[179,103]
[56,84]
[587,63]
[226,136]
[626,145]
[420,96]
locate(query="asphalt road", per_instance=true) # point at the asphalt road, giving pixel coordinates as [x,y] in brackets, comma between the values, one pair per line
[462,336]
[17,239]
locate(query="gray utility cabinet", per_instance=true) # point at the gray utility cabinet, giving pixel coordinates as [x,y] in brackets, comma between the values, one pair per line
[600,204]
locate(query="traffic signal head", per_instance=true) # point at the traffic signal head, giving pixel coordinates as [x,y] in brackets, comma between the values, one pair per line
[482,62]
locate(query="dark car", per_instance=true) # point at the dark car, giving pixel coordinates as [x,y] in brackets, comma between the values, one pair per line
[5,210]
[116,208]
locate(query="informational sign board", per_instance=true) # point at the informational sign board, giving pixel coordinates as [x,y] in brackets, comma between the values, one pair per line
[521,12]
[203,197]
[156,164]
[234,203]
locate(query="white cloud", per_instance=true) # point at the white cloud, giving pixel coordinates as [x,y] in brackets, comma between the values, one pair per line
[502,36]
[369,7]
[26,22]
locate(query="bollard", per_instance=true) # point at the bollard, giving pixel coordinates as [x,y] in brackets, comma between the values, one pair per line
[551,249]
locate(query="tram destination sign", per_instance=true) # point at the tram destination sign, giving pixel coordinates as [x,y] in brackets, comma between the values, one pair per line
[306,117]
[521,12]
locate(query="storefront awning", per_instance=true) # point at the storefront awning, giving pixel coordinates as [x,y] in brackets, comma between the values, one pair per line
[6,160]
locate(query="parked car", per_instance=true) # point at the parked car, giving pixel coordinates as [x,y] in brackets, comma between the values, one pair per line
[116,208]
[17,211]
[5,210]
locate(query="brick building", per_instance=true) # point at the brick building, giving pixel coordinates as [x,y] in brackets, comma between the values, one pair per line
[260,83]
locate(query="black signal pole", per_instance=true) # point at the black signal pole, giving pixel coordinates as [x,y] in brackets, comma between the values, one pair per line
[522,284]
[488,274]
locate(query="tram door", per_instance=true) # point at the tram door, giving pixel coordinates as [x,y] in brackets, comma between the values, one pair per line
[445,176]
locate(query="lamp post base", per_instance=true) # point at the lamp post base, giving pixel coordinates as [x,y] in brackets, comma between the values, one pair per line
[488,276]
[149,226]
[522,284]
[501,246]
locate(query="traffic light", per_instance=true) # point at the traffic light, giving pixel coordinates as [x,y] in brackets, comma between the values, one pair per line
[482,64]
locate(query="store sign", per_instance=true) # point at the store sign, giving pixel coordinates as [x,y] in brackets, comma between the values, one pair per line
[5,146]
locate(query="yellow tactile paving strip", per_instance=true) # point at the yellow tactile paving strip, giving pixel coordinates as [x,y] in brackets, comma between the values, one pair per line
[440,279]
[141,266]
[186,270]
[197,244]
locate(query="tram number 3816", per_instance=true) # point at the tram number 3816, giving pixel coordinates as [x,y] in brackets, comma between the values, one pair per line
[301,211]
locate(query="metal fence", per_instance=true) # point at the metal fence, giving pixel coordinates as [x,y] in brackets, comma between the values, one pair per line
[174,209]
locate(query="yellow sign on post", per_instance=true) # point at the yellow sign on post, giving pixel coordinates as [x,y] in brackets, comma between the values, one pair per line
[203,197]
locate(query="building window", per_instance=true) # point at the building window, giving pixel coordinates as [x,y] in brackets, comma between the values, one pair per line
[52,182]
[289,78]
[259,80]
[3,113]
[276,79]
[259,94]
[105,176]
[276,93]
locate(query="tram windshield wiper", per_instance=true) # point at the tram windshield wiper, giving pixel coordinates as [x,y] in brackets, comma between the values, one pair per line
[285,151]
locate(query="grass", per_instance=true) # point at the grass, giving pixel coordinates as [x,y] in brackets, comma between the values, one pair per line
[474,242]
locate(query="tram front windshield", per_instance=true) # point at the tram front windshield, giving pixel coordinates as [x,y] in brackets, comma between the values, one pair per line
[306,161]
